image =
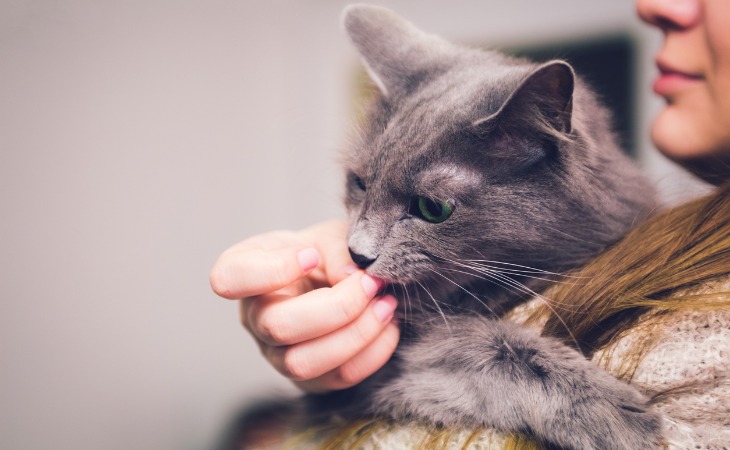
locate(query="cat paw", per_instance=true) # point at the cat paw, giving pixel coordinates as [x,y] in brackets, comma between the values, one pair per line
[618,419]
[640,427]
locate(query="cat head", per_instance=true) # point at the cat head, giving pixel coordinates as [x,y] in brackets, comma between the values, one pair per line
[470,155]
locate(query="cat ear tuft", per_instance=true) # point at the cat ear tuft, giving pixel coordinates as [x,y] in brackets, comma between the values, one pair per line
[544,100]
[394,52]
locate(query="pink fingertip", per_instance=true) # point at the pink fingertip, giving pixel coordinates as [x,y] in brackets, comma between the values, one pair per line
[308,259]
[384,308]
[370,285]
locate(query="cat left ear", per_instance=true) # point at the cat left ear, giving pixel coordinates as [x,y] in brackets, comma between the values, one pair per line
[394,52]
[543,100]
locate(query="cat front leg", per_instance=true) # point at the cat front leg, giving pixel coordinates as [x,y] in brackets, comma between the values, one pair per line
[478,372]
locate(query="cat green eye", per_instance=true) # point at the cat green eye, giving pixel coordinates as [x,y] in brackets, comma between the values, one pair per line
[430,210]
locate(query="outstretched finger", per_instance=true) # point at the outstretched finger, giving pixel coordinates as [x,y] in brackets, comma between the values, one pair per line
[245,272]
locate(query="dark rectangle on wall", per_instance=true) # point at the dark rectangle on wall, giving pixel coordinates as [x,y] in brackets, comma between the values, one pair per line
[607,64]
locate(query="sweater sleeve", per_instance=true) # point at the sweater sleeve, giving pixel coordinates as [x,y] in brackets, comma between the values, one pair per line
[687,371]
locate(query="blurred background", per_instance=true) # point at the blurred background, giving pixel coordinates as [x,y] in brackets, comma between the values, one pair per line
[139,139]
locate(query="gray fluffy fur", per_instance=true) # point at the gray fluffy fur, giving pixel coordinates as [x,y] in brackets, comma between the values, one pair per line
[525,155]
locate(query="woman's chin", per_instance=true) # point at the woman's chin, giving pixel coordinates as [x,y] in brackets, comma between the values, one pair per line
[677,137]
[677,134]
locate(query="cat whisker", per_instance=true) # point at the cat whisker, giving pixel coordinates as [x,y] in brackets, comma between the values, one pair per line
[493,277]
[504,275]
[492,269]
[516,267]
[572,236]
[509,283]
[436,303]
[465,290]
[408,305]
[503,280]
[408,315]
[527,272]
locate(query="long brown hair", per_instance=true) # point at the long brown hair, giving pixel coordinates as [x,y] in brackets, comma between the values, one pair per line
[653,270]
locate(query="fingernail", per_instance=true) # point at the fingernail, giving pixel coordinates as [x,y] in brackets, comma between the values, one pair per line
[384,308]
[370,285]
[308,259]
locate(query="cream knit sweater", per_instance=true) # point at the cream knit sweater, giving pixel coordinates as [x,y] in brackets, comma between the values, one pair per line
[690,346]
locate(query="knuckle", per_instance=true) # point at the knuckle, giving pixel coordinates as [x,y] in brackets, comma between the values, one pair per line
[294,365]
[349,374]
[271,328]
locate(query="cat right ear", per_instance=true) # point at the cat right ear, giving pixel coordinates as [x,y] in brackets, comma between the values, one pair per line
[394,52]
[543,101]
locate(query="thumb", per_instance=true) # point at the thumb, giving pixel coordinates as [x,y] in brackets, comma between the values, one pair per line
[330,238]
[247,272]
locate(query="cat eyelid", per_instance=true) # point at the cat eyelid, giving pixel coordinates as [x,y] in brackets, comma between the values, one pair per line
[448,177]
[435,197]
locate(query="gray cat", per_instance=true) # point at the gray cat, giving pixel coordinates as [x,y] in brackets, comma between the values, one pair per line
[477,177]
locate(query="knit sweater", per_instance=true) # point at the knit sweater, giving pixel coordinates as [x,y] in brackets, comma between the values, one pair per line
[686,347]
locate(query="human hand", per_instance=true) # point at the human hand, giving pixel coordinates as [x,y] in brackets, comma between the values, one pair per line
[312,312]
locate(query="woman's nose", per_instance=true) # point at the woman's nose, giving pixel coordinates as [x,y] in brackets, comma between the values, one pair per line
[670,15]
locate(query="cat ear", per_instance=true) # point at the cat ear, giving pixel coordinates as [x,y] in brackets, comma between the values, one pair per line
[394,52]
[543,100]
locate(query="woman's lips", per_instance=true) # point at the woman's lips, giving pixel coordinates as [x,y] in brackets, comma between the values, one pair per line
[672,80]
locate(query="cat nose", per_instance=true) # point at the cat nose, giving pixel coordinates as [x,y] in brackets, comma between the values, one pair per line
[362,261]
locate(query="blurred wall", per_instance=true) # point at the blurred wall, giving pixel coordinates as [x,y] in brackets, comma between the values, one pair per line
[138,139]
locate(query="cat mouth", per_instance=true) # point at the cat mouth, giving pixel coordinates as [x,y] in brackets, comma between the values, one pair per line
[413,277]
[380,275]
